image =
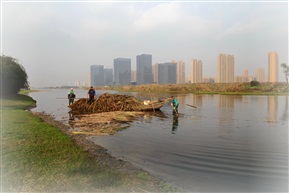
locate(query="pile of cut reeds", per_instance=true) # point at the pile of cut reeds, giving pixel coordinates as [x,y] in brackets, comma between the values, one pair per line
[106,103]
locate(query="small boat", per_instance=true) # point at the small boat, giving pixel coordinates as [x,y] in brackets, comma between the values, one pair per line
[151,105]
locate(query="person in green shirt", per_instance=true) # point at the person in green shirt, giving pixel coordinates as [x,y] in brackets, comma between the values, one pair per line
[71,96]
[175,105]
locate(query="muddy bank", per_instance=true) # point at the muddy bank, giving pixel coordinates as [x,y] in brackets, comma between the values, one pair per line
[98,152]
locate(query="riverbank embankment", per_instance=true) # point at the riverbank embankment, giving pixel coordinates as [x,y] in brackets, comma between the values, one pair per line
[248,88]
[39,155]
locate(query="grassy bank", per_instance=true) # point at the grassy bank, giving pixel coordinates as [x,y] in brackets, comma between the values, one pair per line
[207,88]
[38,157]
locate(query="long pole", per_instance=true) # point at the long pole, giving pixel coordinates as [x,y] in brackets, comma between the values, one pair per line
[151,100]
[191,106]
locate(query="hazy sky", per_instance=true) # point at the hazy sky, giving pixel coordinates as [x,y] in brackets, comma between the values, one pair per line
[57,41]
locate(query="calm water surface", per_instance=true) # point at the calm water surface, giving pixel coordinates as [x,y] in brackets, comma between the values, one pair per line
[226,144]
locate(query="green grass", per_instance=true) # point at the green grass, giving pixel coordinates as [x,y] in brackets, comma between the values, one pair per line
[26,92]
[38,157]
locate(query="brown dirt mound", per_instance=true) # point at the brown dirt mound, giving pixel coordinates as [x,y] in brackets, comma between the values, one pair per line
[106,103]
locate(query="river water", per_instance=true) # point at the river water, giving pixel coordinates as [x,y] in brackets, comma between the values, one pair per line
[226,144]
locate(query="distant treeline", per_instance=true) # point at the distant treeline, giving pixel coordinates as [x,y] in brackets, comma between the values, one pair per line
[63,87]
[253,87]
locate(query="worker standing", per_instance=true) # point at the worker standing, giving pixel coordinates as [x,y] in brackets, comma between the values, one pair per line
[71,96]
[175,105]
[91,95]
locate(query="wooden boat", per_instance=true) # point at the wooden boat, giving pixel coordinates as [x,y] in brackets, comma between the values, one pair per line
[115,102]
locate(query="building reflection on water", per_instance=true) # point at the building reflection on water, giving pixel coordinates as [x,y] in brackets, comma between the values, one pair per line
[285,116]
[272,109]
[225,101]
[226,122]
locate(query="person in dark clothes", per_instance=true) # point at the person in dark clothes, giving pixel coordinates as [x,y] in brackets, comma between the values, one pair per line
[91,95]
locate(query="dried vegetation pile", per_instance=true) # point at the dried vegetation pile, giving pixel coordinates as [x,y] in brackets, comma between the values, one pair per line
[106,103]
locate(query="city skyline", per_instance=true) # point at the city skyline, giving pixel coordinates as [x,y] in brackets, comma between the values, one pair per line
[62,39]
[260,74]
[173,72]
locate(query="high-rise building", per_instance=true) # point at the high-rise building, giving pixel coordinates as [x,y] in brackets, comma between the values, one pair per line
[155,73]
[196,71]
[133,76]
[161,73]
[226,69]
[108,76]
[260,74]
[246,77]
[96,75]
[122,71]
[77,83]
[181,70]
[188,78]
[239,78]
[172,72]
[167,73]
[273,67]
[144,73]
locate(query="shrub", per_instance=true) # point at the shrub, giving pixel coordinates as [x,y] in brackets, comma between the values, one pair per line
[254,83]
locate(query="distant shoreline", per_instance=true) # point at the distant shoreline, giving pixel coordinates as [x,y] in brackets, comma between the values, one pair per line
[206,88]
[279,88]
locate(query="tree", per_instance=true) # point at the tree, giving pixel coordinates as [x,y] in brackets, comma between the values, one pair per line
[13,76]
[286,72]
